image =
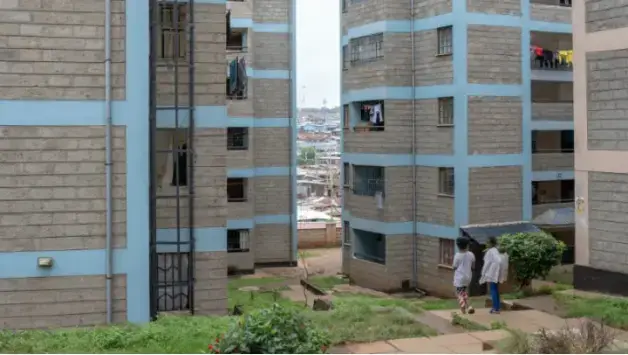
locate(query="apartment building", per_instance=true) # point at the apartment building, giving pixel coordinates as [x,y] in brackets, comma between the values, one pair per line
[600,30]
[147,150]
[455,113]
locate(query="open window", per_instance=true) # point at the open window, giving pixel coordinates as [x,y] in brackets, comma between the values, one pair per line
[236,190]
[368,180]
[172,156]
[238,240]
[370,246]
[346,122]
[346,171]
[172,25]
[446,181]
[446,251]
[237,138]
[371,116]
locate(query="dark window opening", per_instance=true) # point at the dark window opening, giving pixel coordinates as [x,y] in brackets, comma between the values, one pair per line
[238,240]
[567,188]
[567,141]
[236,189]
[180,167]
[371,116]
[367,49]
[237,138]
[370,246]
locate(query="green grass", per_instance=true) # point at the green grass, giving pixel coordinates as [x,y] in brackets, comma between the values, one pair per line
[613,311]
[466,323]
[304,254]
[180,335]
[355,318]
[327,282]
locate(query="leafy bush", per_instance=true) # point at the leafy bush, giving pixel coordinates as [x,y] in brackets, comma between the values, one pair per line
[274,330]
[532,255]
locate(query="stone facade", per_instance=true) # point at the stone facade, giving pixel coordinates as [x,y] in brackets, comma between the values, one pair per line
[52,188]
[494,54]
[604,15]
[606,79]
[495,194]
[210,287]
[495,125]
[54,50]
[499,7]
[62,301]
[607,221]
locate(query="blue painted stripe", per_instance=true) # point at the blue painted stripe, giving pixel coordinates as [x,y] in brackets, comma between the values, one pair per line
[258,122]
[258,172]
[553,27]
[552,175]
[204,117]
[400,228]
[429,92]
[62,112]
[268,73]
[433,160]
[207,239]
[65,263]
[245,22]
[465,19]
[551,125]
[249,223]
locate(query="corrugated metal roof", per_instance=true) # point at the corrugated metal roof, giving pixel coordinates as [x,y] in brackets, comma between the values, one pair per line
[482,232]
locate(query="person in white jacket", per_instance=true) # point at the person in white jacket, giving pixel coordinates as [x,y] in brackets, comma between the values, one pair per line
[494,272]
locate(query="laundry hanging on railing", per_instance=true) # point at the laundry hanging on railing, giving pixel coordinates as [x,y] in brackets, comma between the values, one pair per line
[545,58]
[238,80]
[372,113]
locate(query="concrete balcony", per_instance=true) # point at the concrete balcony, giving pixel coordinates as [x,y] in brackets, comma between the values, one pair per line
[552,161]
[542,71]
[550,11]
[539,209]
[552,111]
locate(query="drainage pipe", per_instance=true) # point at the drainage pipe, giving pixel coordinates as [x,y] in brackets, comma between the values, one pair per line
[414,175]
[292,14]
[108,163]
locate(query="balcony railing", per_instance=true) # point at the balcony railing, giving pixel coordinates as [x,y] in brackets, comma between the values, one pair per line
[553,160]
[550,63]
[552,111]
[542,207]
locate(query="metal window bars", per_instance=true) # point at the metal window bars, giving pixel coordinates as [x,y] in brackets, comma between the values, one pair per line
[172,256]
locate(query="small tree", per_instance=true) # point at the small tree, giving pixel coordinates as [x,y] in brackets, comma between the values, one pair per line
[306,156]
[532,255]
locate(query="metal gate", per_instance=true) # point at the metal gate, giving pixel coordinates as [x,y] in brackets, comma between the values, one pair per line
[172,147]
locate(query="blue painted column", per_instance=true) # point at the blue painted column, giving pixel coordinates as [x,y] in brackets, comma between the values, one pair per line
[526,123]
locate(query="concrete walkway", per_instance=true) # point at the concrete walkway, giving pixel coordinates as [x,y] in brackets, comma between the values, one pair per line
[465,343]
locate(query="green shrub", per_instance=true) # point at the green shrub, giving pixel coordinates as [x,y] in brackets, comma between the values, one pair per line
[532,255]
[274,330]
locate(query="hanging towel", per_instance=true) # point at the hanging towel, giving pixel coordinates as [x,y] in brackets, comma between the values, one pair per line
[242,78]
[233,77]
[376,115]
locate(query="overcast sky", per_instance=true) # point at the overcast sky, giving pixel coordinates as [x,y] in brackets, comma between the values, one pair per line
[318,52]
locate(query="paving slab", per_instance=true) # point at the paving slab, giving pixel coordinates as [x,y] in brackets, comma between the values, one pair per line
[454,339]
[419,346]
[466,349]
[378,347]
[490,337]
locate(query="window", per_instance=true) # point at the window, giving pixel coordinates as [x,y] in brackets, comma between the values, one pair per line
[180,167]
[236,40]
[367,180]
[445,40]
[567,141]
[237,138]
[345,57]
[346,233]
[367,49]
[346,169]
[369,246]
[173,43]
[567,193]
[446,111]
[371,116]
[446,181]
[237,240]
[534,142]
[447,251]
[346,122]
[565,3]
[236,189]
[535,192]
[344,5]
